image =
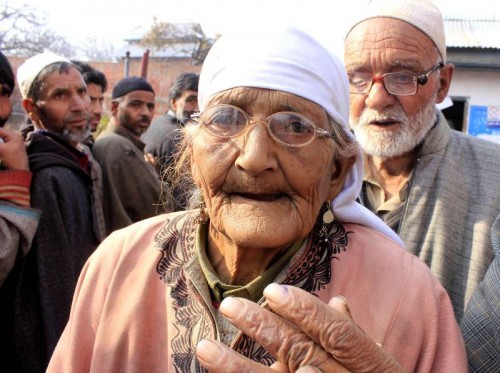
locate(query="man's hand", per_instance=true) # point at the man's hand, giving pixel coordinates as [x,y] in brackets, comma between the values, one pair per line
[306,335]
[12,151]
[151,159]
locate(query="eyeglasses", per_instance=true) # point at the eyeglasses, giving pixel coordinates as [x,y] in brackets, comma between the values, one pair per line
[399,84]
[287,128]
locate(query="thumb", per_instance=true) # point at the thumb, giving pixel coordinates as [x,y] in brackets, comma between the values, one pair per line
[340,304]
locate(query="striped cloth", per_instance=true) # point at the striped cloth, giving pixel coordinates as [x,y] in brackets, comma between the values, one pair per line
[15,187]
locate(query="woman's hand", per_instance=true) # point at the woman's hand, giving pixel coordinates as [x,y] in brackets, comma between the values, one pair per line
[306,335]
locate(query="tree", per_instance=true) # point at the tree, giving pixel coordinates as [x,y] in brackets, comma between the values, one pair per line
[23,32]
[184,39]
[96,49]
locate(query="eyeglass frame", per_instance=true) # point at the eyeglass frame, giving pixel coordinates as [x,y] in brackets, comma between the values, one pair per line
[318,131]
[419,80]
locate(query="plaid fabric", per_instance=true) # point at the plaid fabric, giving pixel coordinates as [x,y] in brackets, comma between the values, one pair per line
[481,323]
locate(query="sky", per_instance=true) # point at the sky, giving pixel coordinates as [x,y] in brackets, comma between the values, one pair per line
[113,20]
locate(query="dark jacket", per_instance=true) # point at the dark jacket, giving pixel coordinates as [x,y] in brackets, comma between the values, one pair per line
[36,298]
[132,189]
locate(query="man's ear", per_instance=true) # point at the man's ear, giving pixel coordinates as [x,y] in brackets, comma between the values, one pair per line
[32,110]
[114,108]
[339,175]
[445,76]
[173,104]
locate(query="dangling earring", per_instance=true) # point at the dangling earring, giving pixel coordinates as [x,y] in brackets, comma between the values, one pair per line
[202,216]
[328,218]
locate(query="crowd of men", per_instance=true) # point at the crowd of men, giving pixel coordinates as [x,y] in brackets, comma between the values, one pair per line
[62,191]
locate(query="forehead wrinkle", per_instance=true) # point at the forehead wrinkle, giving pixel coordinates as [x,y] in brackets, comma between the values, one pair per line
[267,101]
[393,41]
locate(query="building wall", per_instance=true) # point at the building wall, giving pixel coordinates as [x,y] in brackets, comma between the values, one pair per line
[481,87]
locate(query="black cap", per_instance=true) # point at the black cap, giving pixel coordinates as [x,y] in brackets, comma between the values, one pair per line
[131,84]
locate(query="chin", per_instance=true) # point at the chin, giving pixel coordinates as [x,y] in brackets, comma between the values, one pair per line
[260,228]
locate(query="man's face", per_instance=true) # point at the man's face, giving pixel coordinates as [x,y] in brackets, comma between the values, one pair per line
[64,106]
[387,125]
[96,104]
[185,106]
[5,104]
[135,111]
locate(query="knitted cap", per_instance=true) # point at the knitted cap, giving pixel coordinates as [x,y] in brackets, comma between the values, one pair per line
[422,14]
[29,70]
[131,84]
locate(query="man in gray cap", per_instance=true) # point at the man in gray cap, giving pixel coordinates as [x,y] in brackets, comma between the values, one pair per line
[437,188]
[36,297]
[132,189]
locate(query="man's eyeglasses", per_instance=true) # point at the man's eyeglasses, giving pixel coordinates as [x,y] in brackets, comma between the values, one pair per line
[287,128]
[399,84]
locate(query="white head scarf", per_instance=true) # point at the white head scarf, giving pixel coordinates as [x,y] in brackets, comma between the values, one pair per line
[290,60]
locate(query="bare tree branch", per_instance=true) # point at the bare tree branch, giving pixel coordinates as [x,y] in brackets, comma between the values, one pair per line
[23,32]
[184,39]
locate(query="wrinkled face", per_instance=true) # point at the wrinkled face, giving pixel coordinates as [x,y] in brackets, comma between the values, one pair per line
[387,125]
[5,104]
[64,106]
[260,193]
[135,111]
[96,104]
[185,106]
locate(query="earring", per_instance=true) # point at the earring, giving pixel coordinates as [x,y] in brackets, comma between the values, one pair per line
[202,216]
[328,218]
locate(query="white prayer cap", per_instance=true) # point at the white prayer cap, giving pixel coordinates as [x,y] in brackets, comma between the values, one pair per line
[282,58]
[290,60]
[29,70]
[422,14]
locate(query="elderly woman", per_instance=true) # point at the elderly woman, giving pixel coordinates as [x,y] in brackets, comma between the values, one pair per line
[278,173]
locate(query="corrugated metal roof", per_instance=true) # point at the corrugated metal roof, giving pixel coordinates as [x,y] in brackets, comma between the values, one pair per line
[472,33]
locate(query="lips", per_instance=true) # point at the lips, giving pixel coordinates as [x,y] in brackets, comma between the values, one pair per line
[78,122]
[386,122]
[261,197]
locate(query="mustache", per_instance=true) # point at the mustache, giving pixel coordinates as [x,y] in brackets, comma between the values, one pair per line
[392,114]
[145,120]
[77,118]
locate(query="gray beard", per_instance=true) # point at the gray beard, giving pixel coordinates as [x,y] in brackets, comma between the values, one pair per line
[75,136]
[388,144]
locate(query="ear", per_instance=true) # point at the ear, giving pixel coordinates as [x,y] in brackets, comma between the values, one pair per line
[338,176]
[173,104]
[32,110]
[445,77]
[114,108]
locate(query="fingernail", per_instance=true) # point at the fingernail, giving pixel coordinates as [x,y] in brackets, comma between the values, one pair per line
[276,293]
[208,351]
[231,307]
[346,305]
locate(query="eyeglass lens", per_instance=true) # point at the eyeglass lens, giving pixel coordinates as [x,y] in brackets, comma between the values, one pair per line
[403,83]
[286,127]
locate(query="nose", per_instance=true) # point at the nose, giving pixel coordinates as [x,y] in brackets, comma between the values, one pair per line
[378,98]
[257,150]
[146,111]
[80,103]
